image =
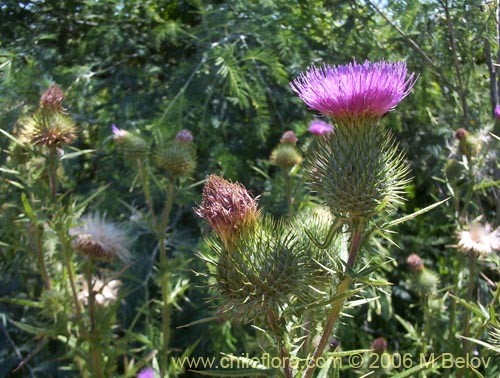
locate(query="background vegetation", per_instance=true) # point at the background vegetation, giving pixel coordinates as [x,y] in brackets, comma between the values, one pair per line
[221,70]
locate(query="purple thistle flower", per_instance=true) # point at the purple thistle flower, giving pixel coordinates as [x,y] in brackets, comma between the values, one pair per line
[355,91]
[184,136]
[118,133]
[321,128]
[146,373]
[497,112]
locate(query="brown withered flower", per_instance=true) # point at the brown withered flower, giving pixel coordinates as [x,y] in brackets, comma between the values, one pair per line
[228,208]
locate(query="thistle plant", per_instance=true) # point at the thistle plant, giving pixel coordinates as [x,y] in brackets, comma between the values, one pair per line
[266,272]
[357,171]
[177,161]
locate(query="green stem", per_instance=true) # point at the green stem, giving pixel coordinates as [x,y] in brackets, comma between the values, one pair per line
[141,169]
[71,276]
[41,261]
[52,171]
[470,188]
[283,352]
[427,325]
[93,336]
[356,239]
[289,194]
[470,293]
[165,289]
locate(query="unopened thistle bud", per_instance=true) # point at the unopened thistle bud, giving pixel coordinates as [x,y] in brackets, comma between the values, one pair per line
[184,136]
[285,156]
[50,126]
[228,208]
[52,98]
[415,263]
[379,345]
[132,145]
[468,144]
[177,158]
[289,137]
[97,238]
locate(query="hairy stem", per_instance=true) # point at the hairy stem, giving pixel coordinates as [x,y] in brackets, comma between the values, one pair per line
[165,289]
[52,171]
[141,169]
[283,352]
[356,239]
[93,336]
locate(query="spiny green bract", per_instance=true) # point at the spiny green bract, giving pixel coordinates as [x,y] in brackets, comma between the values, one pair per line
[269,270]
[358,171]
[177,159]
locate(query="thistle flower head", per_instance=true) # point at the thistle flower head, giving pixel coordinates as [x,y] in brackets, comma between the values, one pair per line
[320,128]
[286,156]
[49,129]
[415,263]
[132,145]
[52,98]
[228,208]
[267,270]
[480,239]
[358,172]
[177,158]
[184,136]
[468,144]
[105,292]
[101,239]
[118,134]
[289,137]
[355,91]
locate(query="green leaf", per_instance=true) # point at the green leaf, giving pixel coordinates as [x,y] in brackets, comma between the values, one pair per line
[414,215]
[22,302]
[11,137]
[75,154]
[494,348]
[28,209]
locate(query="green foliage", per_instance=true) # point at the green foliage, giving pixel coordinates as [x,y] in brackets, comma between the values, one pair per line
[221,70]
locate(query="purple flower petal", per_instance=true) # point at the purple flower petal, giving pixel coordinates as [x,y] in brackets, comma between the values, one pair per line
[146,373]
[318,127]
[354,91]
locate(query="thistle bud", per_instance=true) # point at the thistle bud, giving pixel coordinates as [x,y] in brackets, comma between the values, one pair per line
[133,146]
[497,112]
[178,159]
[51,100]
[289,137]
[49,126]
[379,345]
[468,144]
[285,156]
[184,136]
[415,263]
[228,208]
[424,282]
